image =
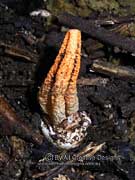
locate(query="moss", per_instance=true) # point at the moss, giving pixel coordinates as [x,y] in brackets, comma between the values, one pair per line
[82,7]
[59,6]
[104,5]
[86,7]
[127,7]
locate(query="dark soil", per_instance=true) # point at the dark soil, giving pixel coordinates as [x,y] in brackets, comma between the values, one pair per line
[110,104]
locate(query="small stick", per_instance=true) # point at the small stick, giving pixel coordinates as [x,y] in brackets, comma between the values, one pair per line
[88,152]
[92,81]
[99,33]
[110,69]
[13,125]
[115,20]
[19,52]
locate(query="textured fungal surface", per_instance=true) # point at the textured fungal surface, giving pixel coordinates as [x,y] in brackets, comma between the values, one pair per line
[58,94]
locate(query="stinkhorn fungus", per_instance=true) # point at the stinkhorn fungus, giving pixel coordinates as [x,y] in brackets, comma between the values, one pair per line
[64,125]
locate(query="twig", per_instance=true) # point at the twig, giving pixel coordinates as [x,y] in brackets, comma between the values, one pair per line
[92,81]
[19,52]
[99,33]
[115,20]
[115,70]
[13,125]
[88,151]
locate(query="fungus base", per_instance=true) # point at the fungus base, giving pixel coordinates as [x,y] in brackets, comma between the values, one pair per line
[70,132]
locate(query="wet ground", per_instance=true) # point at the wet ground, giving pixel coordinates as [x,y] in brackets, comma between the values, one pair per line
[109,101]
